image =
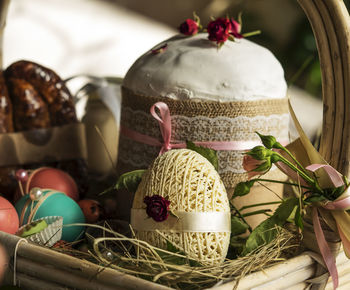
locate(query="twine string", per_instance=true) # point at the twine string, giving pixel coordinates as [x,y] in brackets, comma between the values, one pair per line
[33,207]
[15,260]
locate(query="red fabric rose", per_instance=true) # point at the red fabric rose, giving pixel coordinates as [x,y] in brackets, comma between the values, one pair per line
[219,30]
[189,27]
[235,29]
[157,207]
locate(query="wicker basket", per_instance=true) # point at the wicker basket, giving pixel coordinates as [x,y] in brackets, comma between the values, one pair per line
[40,268]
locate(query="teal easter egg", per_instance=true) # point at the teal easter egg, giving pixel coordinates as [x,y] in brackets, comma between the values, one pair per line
[53,203]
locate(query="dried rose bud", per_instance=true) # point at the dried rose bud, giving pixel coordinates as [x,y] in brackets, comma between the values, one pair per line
[189,27]
[157,207]
[235,29]
[159,49]
[219,30]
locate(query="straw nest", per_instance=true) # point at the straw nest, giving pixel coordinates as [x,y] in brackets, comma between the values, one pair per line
[175,269]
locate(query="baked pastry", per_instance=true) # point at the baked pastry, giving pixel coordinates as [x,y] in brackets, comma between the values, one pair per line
[35,97]
[193,68]
[216,96]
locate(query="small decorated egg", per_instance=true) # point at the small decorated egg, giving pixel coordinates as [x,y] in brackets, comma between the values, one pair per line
[92,210]
[8,217]
[32,228]
[52,203]
[52,178]
[182,197]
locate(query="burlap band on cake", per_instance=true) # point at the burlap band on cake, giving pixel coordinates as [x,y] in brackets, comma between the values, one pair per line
[210,109]
[200,121]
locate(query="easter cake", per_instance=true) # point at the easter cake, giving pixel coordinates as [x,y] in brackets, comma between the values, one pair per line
[214,95]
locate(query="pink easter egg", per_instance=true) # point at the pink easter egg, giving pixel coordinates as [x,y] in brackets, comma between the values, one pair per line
[9,221]
[55,179]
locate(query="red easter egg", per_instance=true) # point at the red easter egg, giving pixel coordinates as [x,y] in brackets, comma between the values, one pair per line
[9,221]
[92,210]
[52,178]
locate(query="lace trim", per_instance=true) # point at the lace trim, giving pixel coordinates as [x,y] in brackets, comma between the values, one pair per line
[201,128]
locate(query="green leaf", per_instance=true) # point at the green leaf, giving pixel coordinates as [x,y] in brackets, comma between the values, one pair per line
[260,211]
[130,180]
[243,188]
[208,153]
[238,227]
[337,192]
[286,208]
[107,190]
[263,234]
[266,231]
[236,247]
[169,258]
[315,198]
[171,248]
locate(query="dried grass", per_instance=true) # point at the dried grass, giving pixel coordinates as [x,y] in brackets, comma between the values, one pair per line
[138,258]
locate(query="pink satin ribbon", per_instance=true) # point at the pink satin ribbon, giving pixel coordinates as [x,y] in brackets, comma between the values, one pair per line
[341,204]
[333,174]
[326,253]
[321,241]
[164,121]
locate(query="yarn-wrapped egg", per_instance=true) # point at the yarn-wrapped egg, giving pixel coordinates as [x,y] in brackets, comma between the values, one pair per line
[188,205]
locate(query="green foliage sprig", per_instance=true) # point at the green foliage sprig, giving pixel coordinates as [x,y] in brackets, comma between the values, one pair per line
[262,158]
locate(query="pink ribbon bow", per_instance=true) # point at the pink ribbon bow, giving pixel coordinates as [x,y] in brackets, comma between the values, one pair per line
[164,121]
[341,204]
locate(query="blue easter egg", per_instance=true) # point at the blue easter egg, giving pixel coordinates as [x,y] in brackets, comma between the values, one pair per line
[56,204]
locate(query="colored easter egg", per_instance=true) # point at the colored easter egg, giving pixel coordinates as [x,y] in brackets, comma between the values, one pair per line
[32,228]
[92,210]
[53,203]
[9,222]
[52,178]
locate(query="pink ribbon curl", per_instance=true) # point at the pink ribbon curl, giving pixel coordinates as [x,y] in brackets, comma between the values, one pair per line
[164,122]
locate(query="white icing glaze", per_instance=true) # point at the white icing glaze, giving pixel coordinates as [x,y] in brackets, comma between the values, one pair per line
[193,68]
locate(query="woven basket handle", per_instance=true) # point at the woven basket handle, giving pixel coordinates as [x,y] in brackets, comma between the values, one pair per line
[3,13]
[331,26]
